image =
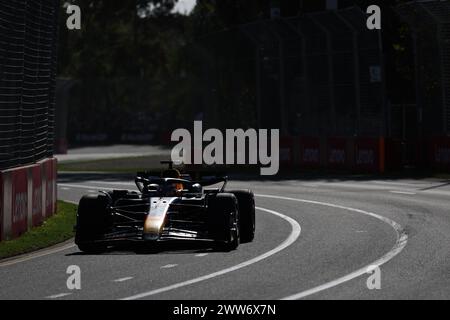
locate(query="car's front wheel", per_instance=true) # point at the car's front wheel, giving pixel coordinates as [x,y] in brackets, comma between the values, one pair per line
[92,222]
[223,221]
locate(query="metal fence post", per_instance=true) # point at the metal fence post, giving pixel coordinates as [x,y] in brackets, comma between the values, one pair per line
[356,71]
[330,72]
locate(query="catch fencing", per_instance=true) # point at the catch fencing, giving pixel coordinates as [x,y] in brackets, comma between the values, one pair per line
[28,37]
[319,74]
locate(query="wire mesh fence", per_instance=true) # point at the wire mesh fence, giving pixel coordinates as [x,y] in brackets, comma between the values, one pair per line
[430,28]
[317,74]
[28,34]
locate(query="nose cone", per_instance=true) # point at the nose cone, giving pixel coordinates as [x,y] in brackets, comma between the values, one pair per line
[153,226]
[155,220]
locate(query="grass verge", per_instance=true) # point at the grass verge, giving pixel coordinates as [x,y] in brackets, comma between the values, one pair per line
[54,230]
[120,165]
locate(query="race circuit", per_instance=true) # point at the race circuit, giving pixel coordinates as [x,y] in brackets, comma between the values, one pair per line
[315,239]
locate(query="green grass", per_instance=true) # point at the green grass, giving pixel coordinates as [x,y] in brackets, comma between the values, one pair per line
[444,176]
[54,230]
[120,165]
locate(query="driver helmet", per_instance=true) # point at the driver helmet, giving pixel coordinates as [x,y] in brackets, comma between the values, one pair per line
[175,174]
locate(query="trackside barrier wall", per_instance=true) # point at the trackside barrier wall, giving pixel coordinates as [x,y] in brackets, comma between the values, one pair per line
[337,153]
[310,152]
[28,196]
[367,153]
[439,153]
[1,206]
[287,151]
[20,202]
[394,152]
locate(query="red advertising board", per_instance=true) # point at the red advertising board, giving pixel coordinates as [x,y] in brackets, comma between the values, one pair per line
[367,153]
[286,150]
[440,153]
[1,206]
[48,171]
[309,152]
[337,153]
[55,189]
[19,208]
[37,213]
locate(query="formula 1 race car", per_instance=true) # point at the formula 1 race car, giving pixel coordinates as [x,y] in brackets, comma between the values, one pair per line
[167,207]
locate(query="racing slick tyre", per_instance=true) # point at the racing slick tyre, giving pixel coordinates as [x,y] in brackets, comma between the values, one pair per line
[223,221]
[92,222]
[246,207]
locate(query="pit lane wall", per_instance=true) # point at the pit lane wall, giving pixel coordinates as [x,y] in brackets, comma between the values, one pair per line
[364,154]
[27,197]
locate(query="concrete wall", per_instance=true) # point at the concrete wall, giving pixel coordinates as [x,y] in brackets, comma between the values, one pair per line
[27,197]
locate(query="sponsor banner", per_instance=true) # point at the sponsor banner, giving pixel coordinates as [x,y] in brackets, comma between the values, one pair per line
[49,171]
[19,208]
[440,153]
[286,150]
[367,153]
[337,153]
[27,197]
[310,152]
[1,205]
[55,187]
[36,205]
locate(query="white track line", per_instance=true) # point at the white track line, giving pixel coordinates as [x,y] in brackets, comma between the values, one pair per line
[295,233]
[402,239]
[402,184]
[404,192]
[169,266]
[83,186]
[60,295]
[38,254]
[113,183]
[91,188]
[123,279]
[200,255]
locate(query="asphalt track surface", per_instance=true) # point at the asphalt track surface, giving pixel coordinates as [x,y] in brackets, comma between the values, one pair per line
[315,239]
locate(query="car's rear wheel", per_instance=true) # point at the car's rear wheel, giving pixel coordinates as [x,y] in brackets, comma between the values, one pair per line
[223,221]
[246,207]
[92,222]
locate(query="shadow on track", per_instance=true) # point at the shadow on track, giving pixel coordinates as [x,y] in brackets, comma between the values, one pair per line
[155,249]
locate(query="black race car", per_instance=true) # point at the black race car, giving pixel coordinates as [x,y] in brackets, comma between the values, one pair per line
[167,207]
